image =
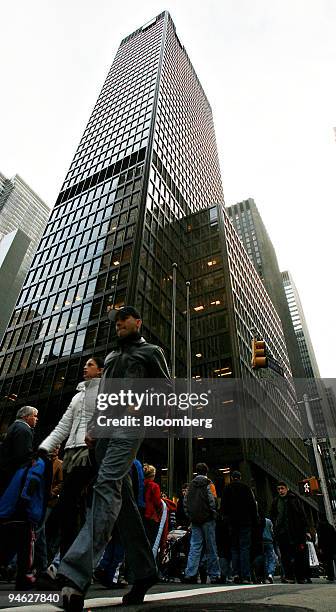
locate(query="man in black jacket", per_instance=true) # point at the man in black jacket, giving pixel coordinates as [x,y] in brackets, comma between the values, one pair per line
[238,507]
[17,533]
[16,451]
[135,358]
[290,528]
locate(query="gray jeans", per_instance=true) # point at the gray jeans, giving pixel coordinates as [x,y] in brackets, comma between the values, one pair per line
[113,502]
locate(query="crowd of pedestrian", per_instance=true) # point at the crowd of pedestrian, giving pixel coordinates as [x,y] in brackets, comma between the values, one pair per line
[100,512]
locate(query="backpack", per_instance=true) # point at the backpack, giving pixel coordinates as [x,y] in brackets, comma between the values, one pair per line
[197,502]
[27,492]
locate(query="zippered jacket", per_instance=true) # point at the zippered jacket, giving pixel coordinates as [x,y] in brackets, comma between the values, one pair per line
[73,424]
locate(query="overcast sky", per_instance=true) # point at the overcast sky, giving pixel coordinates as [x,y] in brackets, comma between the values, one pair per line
[268,69]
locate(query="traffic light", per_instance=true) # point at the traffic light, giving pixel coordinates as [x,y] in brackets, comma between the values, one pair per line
[259,358]
[309,486]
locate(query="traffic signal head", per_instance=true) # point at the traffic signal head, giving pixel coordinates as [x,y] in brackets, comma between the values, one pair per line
[309,486]
[259,358]
[304,487]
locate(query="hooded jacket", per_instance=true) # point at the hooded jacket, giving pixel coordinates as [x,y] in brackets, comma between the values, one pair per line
[200,503]
[73,424]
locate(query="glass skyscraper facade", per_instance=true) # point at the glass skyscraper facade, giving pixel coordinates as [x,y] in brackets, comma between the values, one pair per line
[147,157]
[315,388]
[251,229]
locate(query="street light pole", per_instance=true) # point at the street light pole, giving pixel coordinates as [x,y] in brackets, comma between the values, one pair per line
[171,440]
[190,448]
[319,464]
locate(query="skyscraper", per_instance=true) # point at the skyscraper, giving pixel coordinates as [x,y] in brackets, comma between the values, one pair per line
[147,157]
[251,230]
[319,395]
[23,217]
[143,191]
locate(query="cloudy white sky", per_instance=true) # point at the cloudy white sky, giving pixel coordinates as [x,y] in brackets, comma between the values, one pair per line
[268,68]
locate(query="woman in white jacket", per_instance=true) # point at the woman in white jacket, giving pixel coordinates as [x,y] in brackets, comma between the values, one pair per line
[77,468]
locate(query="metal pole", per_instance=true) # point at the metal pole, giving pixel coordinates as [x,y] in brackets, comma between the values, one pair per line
[319,463]
[190,440]
[171,440]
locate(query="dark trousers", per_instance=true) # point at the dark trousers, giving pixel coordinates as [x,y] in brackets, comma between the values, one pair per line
[18,537]
[241,551]
[151,529]
[72,504]
[292,558]
[112,558]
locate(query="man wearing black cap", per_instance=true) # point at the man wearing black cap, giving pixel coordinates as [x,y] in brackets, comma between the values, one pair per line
[134,358]
[239,507]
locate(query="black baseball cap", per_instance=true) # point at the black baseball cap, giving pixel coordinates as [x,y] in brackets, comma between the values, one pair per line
[122,313]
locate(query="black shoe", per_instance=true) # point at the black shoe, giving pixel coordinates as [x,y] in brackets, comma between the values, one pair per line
[189,579]
[73,600]
[270,578]
[25,583]
[236,580]
[216,580]
[203,576]
[138,591]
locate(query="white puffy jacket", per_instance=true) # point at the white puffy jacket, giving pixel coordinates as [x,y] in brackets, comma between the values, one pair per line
[75,419]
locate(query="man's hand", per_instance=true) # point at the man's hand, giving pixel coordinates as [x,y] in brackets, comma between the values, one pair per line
[90,440]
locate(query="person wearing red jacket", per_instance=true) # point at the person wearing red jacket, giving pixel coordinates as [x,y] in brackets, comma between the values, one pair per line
[153,504]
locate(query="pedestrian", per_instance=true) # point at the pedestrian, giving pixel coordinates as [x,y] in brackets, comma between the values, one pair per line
[17,530]
[239,506]
[200,508]
[41,546]
[78,470]
[269,552]
[113,489]
[182,520]
[153,504]
[17,450]
[290,528]
[326,541]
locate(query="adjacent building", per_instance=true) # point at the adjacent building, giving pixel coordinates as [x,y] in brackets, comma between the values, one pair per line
[144,192]
[23,217]
[251,229]
[321,397]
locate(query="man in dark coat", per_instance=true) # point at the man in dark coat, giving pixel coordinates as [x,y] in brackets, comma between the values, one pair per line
[16,451]
[290,529]
[135,358]
[239,508]
[16,532]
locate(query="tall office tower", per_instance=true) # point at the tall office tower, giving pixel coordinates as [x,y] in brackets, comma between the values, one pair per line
[251,230]
[147,157]
[229,303]
[320,404]
[145,167]
[23,217]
